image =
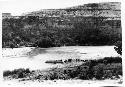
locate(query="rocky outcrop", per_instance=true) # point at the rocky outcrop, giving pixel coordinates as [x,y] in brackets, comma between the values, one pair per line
[108,10]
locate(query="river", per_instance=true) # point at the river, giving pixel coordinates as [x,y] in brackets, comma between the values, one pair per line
[35,58]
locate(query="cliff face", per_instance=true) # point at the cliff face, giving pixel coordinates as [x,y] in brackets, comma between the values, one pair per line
[109,10]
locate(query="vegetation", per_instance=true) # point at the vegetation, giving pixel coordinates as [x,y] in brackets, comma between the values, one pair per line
[107,68]
[118,47]
[47,32]
[68,30]
[17,73]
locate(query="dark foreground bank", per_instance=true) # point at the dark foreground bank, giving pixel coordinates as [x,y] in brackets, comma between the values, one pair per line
[101,69]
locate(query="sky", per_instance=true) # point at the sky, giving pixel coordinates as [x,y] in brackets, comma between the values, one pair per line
[17,7]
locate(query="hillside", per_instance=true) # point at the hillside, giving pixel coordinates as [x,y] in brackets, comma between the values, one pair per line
[84,25]
[110,9]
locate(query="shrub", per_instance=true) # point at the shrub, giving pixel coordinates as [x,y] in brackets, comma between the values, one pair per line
[105,60]
[118,47]
[72,72]
[56,73]
[102,71]
[112,59]
[6,73]
[98,71]
[17,73]
[84,72]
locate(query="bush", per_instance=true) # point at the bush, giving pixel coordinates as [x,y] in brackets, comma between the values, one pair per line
[118,47]
[98,71]
[6,73]
[17,73]
[84,73]
[102,71]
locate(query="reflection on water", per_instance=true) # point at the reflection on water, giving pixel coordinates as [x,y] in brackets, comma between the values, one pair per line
[36,51]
